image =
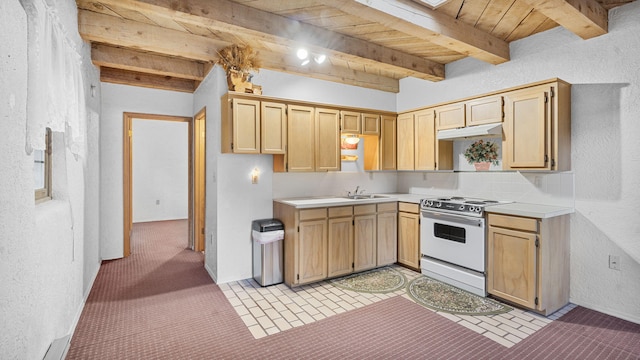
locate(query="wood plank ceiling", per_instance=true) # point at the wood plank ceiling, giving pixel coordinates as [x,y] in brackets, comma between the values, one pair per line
[173,44]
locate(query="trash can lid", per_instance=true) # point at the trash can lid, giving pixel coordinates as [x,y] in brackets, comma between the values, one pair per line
[264,225]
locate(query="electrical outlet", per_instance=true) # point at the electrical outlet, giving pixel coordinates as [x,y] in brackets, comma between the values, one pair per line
[614,262]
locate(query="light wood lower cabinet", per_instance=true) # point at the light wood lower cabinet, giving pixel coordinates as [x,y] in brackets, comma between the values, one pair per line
[326,242]
[340,251]
[528,261]
[409,235]
[365,229]
[387,233]
[313,250]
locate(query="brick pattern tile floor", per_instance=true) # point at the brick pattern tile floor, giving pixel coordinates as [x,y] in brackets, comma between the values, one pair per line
[272,309]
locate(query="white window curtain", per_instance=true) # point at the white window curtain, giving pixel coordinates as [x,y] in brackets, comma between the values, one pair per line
[55,90]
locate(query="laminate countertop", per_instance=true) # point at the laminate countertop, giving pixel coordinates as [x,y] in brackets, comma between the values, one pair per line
[529,210]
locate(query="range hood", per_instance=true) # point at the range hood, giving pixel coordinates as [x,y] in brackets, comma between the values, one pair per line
[488,130]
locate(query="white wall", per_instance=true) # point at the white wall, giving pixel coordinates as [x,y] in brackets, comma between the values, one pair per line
[116,100]
[160,170]
[606,167]
[48,252]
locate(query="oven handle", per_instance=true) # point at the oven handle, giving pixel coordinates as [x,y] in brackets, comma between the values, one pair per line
[465,220]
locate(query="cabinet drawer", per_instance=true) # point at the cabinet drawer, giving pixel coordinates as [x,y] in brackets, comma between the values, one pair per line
[364,209]
[513,222]
[390,206]
[309,214]
[340,211]
[409,207]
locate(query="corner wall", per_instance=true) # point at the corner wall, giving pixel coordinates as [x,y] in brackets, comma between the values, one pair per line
[605,109]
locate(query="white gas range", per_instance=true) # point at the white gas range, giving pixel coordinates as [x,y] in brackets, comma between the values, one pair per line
[452,241]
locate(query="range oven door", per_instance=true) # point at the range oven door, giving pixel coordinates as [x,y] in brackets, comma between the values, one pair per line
[455,239]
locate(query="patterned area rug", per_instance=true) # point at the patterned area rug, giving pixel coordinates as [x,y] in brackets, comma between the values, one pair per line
[439,296]
[381,280]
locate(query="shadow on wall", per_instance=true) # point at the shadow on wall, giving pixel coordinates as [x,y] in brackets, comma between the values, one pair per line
[596,153]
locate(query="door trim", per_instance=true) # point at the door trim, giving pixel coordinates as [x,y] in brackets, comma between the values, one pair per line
[127,170]
[199,179]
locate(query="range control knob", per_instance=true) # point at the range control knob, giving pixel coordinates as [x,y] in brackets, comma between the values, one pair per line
[438,204]
[429,202]
[472,208]
[461,208]
[478,209]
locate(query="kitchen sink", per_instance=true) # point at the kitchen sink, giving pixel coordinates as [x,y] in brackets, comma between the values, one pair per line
[362,197]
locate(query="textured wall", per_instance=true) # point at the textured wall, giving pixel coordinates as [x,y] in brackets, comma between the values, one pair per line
[48,254]
[160,170]
[605,110]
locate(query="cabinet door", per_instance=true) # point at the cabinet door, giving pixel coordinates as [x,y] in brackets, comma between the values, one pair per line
[409,239]
[312,258]
[364,242]
[300,138]
[388,143]
[350,122]
[511,265]
[273,128]
[340,250]
[370,124]
[424,140]
[327,150]
[387,238]
[485,110]
[246,126]
[527,129]
[450,116]
[405,144]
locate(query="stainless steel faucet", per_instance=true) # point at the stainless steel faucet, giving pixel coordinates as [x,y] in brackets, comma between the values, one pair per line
[355,193]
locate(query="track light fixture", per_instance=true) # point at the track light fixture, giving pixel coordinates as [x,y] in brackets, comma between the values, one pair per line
[306,57]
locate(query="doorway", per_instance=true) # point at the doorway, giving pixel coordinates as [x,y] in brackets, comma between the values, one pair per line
[195,178]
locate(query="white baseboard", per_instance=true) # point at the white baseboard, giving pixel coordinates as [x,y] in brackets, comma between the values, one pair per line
[623,316]
[76,318]
[211,274]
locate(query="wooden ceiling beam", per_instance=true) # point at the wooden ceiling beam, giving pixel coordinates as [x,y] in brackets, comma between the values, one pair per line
[279,62]
[585,18]
[428,25]
[120,32]
[258,25]
[138,61]
[116,31]
[125,77]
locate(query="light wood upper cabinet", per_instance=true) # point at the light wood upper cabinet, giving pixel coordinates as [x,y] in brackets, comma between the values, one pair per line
[450,116]
[409,235]
[406,142]
[240,126]
[537,128]
[301,138]
[528,261]
[425,140]
[370,124]
[388,143]
[486,110]
[327,149]
[273,128]
[350,122]
[528,120]
[416,140]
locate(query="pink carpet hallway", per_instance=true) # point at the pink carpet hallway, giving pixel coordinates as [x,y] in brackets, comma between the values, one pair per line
[160,303]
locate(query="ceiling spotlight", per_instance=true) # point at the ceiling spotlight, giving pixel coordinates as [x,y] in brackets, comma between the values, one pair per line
[302,54]
[319,59]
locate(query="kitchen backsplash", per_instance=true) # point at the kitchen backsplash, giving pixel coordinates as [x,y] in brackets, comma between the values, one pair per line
[537,188]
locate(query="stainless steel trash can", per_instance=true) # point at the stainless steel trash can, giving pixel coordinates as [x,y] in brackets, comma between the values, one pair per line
[267,237]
